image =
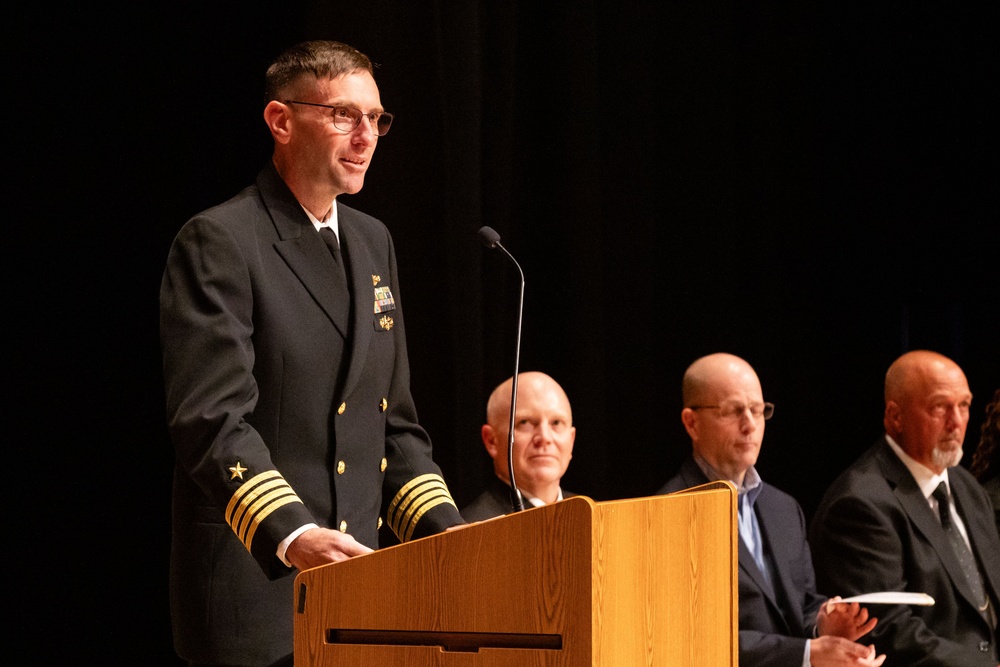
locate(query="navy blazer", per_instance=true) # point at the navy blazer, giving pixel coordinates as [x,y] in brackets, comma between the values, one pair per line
[775,622]
[874,531]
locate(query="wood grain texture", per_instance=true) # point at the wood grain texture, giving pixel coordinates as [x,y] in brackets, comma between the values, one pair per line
[665,580]
[649,581]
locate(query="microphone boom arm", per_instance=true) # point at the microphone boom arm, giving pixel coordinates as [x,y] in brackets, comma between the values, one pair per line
[490,239]
[516,500]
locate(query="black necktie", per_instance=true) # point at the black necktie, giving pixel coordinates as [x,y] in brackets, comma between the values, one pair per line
[340,275]
[330,239]
[958,545]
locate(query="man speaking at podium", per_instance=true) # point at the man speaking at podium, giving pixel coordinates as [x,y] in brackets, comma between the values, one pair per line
[783,622]
[286,372]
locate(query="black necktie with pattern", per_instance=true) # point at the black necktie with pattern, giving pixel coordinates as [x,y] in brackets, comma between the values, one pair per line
[958,545]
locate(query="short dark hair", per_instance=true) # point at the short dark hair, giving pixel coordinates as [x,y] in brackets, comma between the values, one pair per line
[322,59]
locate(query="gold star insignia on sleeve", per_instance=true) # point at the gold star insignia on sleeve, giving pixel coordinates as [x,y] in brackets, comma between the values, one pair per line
[237,471]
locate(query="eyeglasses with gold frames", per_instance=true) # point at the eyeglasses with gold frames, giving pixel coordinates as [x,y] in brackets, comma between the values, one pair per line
[347,119]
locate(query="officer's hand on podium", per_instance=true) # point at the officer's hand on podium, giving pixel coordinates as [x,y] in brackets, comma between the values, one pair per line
[319,546]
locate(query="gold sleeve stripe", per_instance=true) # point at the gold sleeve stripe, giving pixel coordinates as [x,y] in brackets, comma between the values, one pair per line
[424,508]
[252,501]
[408,494]
[257,510]
[417,500]
[414,500]
[255,500]
[247,487]
[409,486]
[263,515]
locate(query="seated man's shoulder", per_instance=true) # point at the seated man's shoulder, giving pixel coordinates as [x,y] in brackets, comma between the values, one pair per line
[483,507]
[686,476]
[672,485]
[771,493]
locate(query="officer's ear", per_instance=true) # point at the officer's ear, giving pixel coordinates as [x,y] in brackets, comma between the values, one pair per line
[277,116]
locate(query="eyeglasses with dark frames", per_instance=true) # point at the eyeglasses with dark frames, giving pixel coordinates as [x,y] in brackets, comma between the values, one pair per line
[347,119]
[735,411]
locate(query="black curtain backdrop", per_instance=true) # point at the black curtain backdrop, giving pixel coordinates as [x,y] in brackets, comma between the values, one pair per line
[811,186]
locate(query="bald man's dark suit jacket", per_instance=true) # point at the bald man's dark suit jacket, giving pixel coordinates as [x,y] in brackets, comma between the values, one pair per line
[774,622]
[281,412]
[874,531]
[494,501]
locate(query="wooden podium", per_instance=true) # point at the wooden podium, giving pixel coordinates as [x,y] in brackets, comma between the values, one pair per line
[647,581]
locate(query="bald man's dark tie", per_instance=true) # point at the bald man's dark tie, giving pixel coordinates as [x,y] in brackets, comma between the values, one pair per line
[340,275]
[961,549]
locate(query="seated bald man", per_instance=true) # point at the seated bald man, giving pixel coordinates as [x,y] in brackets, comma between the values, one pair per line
[543,445]
[783,621]
[905,517]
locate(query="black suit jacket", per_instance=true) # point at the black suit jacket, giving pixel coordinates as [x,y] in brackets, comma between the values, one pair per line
[874,531]
[775,622]
[280,413]
[494,501]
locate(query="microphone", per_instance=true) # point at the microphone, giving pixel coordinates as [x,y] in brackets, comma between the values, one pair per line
[489,238]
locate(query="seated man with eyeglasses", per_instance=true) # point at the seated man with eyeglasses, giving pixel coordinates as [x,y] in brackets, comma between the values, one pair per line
[782,619]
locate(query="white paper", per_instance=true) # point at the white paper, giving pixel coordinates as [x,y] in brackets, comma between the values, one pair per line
[891,597]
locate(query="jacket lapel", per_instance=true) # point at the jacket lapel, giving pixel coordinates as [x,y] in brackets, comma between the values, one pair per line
[919,512]
[692,476]
[770,525]
[978,527]
[301,247]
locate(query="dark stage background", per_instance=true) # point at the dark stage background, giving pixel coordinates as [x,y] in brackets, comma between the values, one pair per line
[812,187]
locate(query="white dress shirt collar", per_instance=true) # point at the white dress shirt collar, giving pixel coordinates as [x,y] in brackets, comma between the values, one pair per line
[332,221]
[925,478]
